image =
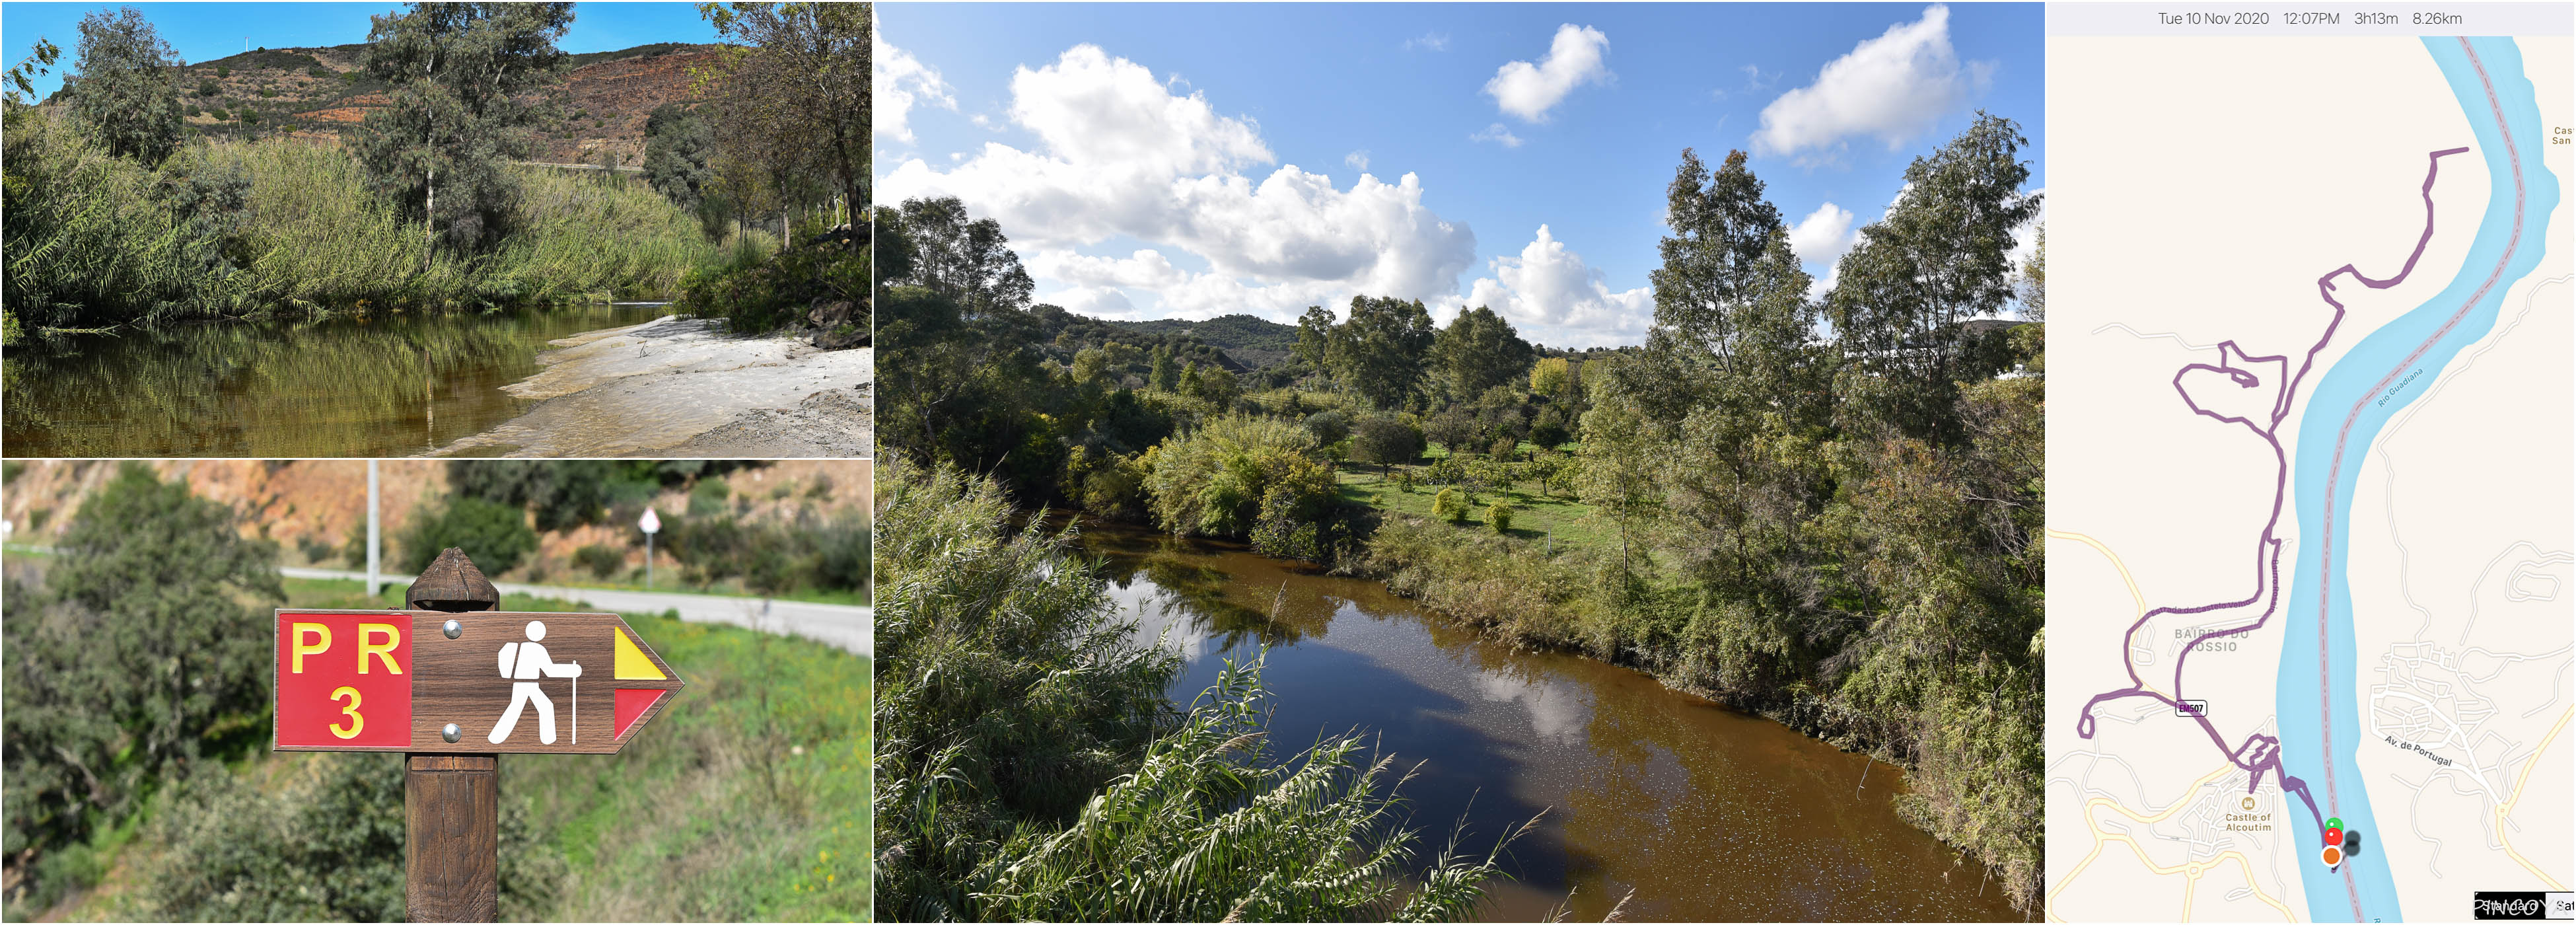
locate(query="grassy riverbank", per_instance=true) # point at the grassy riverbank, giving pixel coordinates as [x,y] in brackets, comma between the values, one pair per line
[237,229]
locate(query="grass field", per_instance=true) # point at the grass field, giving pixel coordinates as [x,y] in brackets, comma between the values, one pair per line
[746,799]
[1534,516]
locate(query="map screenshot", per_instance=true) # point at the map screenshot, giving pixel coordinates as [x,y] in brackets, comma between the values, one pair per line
[2311,449]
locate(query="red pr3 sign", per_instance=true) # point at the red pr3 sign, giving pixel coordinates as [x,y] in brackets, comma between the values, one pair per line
[343,680]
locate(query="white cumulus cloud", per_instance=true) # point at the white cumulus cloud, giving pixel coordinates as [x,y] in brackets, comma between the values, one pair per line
[1821,239]
[1554,298]
[1498,134]
[1892,88]
[1122,154]
[901,82]
[1529,90]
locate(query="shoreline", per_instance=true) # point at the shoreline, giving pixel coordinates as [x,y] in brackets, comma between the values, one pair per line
[677,386]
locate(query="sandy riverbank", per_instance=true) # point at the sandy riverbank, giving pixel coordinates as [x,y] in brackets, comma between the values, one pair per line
[681,387]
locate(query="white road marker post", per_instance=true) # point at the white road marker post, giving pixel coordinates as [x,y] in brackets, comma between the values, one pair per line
[652,524]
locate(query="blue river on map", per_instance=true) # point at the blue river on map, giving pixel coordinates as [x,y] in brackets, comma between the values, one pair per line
[2349,382]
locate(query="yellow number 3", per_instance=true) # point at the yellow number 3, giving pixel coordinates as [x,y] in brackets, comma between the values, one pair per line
[356,722]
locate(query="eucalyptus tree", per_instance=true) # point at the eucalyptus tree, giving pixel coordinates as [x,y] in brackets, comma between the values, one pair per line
[1478,351]
[1382,350]
[957,255]
[459,74]
[1941,256]
[125,85]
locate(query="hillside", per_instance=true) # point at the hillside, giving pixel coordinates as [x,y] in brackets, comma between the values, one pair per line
[1253,343]
[320,93]
[1241,344]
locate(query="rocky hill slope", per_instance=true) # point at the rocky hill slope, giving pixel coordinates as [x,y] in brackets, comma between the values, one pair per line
[599,105]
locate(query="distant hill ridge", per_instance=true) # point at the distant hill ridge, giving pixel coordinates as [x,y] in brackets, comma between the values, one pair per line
[1251,341]
[320,93]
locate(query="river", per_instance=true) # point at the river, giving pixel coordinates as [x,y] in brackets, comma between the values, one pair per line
[392,385]
[1708,813]
[2321,725]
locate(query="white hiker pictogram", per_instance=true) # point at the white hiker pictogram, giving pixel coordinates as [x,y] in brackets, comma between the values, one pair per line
[523,663]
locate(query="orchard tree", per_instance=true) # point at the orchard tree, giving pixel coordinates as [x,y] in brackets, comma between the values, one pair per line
[125,85]
[1386,440]
[459,73]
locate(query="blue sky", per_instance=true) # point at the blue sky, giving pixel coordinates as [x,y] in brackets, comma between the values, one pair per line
[207,31]
[1189,160]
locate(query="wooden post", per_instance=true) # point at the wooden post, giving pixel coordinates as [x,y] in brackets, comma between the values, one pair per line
[452,803]
[452,813]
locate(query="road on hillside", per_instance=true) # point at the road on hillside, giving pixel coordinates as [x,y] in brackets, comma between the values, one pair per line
[843,625]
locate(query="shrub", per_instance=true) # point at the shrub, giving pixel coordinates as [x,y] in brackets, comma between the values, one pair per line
[1302,840]
[1549,432]
[1329,427]
[600,559]
[142,653]
[208,87]
[708,497]
[756,292]
[1219,480]
[1499,516]
[319,72]
[1504,449]
[1450,505]
[219,113]
[327,846]
[495,536]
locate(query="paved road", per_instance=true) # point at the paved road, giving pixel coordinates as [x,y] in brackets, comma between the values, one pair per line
[843,625]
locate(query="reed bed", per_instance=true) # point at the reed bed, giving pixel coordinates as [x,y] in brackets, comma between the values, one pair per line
[234,229]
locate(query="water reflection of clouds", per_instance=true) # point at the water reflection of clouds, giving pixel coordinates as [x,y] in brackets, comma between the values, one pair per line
[1164,617]
[1557,712]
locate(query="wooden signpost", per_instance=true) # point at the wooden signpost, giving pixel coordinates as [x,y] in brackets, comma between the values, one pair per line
[454,684]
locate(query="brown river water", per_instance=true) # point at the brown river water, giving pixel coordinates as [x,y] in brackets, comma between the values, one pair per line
[1708,813]
[394,385]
